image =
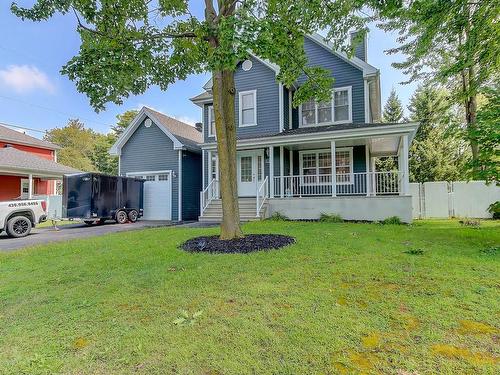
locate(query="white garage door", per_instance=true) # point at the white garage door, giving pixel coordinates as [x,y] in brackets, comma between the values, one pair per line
[157,202]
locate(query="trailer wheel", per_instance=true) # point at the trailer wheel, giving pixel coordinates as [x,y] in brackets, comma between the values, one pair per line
[18,226]
[89,222]
[133,215]
[121,217]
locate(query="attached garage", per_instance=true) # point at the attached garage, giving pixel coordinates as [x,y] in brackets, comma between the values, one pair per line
[157,199]
[164,152]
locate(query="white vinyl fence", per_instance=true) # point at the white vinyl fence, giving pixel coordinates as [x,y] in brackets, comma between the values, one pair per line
[453,199]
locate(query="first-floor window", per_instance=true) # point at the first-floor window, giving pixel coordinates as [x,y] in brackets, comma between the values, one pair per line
[316,166]
[213,168]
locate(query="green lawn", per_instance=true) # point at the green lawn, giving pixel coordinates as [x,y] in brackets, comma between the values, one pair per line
[346,298]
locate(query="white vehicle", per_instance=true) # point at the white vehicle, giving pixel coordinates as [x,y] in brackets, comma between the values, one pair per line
[17,217]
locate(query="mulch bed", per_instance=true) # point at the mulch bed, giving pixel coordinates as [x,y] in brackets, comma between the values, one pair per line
[248,244]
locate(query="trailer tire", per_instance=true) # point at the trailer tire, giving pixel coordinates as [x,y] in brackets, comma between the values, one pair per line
[18,226]
[121,217]
[133,216]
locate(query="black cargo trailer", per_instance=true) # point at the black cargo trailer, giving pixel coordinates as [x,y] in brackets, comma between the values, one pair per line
[95,198]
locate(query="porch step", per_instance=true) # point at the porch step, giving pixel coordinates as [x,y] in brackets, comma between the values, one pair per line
[247,206]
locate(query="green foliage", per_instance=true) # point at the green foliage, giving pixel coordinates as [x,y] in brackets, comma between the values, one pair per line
[473,223]
[494,210]
[393,220]
[100,157]
[130,45]
[393,109]
[123,121]
[77,145]
[438,152]
[186,319]
[414,252]
[331,218]
[278,216]
[492,251]
[486,134]
[83,149]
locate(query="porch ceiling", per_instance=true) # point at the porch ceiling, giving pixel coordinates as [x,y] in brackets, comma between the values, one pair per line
[384,146]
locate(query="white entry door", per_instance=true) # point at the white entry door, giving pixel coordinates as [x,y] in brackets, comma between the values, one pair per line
[250,172]
[157,200]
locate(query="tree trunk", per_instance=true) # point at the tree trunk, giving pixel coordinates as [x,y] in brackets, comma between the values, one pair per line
[471,114]
[223,94]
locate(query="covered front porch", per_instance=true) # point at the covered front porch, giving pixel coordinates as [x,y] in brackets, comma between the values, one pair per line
[301,170]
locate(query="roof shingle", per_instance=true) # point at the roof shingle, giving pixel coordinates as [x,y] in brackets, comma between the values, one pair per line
[9,135]
[17,160]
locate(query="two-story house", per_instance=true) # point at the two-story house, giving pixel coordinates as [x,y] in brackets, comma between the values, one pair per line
[319,157]
[28,166]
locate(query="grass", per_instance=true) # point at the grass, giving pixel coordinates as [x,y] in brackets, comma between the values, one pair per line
[346,298]
[59,223]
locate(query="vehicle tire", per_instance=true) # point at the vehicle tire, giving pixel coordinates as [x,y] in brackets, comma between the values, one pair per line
[18,226]
[121,217]
[101,221]
[89,222]
[133,216]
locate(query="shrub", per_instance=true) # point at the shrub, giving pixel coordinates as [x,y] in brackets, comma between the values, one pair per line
[278,216]
[331,218]
[393,220]
[414,252]
[474,223]
[494,209]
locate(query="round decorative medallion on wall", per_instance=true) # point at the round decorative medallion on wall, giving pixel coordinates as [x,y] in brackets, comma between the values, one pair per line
[148,123]
[247,65]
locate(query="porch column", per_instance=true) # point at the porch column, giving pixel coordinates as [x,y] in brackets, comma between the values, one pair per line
[30,186]
[405,185]
[271,171]
[282,171]
[367,179]
[374,175]
[334,170]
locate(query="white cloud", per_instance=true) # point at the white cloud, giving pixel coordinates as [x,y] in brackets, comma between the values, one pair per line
[25,78]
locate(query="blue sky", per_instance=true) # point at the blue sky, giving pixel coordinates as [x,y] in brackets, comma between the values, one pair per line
[34,94]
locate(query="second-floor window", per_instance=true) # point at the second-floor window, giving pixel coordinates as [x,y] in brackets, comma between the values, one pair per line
[248,108]
[336,110]
[211,121]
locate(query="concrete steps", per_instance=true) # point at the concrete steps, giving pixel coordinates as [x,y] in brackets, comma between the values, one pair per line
[213,213]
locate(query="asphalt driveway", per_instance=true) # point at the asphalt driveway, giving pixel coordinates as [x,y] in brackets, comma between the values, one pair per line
[72,231]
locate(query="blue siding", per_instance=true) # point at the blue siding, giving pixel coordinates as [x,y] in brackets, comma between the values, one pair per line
[344,74]
[191,185]
[149,149]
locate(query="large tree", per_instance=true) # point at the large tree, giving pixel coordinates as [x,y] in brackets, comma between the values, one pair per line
[129,45]
[77,145]
[453,42]
[438,152]
[393,109]
[123,121]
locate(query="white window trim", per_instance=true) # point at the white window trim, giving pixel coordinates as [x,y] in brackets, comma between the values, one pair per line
[209,108]
[240,109]
[333,169]
[332,102]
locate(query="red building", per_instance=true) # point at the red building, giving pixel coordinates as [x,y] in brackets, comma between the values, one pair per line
[28,166]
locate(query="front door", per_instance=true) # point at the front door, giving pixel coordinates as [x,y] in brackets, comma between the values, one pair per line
[250,172]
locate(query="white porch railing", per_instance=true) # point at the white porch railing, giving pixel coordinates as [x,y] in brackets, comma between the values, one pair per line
[371,183]
[262,195]
[208,194]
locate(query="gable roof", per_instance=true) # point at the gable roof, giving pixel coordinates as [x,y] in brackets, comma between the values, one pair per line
[8,135]
[366,68]
[182,135]
[16,160]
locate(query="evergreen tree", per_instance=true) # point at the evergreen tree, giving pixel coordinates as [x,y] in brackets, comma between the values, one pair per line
[438,152]
[393,109]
